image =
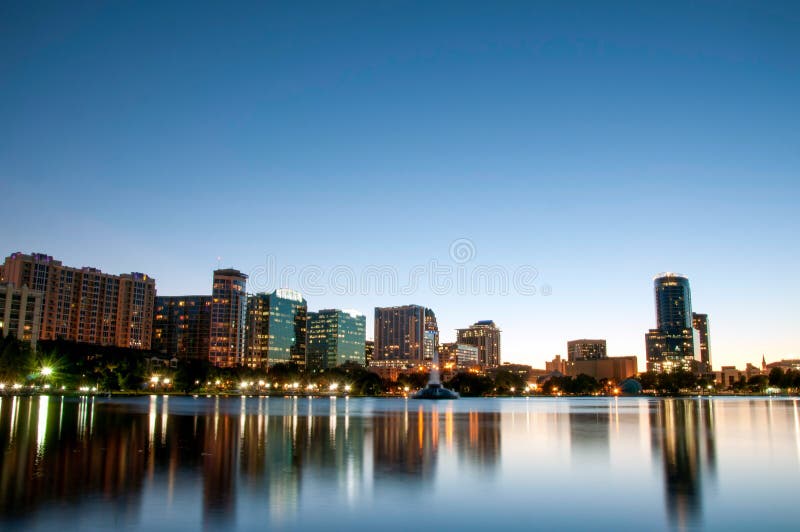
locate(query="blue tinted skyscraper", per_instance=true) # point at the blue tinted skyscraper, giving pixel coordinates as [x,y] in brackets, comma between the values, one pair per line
[276,328]
[335,337]
[671,345]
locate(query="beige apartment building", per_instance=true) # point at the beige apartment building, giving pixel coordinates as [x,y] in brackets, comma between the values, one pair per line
[20,313]
[85,304]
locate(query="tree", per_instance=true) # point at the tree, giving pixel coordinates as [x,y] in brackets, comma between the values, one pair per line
[776,376]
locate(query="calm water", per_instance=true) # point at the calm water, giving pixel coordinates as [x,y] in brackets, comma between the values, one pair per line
[391,464]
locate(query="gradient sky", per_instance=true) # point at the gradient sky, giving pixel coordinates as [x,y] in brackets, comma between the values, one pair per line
[599,142]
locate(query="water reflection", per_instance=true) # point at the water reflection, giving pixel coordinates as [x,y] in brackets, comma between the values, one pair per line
[228,463]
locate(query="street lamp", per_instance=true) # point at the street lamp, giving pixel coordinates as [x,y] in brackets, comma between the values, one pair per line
[46,371]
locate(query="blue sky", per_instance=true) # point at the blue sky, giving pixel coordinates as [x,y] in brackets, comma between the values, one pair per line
[600,143]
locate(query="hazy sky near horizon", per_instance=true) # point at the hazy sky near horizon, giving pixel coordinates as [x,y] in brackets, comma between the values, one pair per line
[597,142]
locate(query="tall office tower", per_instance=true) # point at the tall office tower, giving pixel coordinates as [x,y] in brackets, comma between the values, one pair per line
[671,345]
[400,335]
[486,337]
[182,326]
[586,349]
[226,347]
[276,328]
[85,304]
[700,324]
[20,313]
[369,350]
[335,337]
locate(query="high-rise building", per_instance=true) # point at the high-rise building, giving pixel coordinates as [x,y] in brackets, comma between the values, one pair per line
[276,328]
[335,337]
[700,324]
[586,349]
[671,345]
[20,313]
[486,337]
[226,346]
[85,304]
[400,335]
[182,326]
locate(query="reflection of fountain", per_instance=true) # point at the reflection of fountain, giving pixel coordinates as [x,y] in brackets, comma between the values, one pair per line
[434,389]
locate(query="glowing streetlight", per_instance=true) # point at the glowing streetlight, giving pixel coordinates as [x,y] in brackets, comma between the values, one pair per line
[295,385]
[166,381]
[154,379]
[333,386]
[405,388]
[347,387]
[46,371]
[243,385]
[217,382]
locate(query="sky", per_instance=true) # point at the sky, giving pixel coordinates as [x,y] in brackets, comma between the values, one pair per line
[574,149]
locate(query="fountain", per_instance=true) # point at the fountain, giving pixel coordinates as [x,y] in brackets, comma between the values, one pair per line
[434,389]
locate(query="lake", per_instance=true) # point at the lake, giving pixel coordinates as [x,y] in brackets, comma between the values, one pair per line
[184,463]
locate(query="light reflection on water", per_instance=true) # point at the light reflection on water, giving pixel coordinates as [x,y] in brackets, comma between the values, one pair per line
[343,463]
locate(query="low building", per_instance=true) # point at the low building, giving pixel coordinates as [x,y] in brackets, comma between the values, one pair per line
[558,364]
[20,313]
[585,349]
[728,376]
[456,356]
[614,369]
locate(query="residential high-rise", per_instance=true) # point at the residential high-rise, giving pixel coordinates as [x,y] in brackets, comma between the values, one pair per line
[586,349]
[226,346]
[486,337]
[400,335]
[671,345]
[85,304]
[20,313]
[700,324]
[276,328]
[335,337]
[182,326]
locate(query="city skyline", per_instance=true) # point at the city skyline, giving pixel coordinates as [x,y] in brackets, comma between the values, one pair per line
[673,310]
[598,145]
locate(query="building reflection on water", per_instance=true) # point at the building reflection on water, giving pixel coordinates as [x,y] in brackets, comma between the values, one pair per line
[683,437]
[219,458]
[59,450]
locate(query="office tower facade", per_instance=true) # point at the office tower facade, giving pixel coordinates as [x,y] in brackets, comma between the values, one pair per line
[85,304]
[226,346]
[486,337]
[182,326]
[400,335]
[335,337]
[276,328]
[453,355]
[20,313]
[671,345]
[586,349]
[700,324]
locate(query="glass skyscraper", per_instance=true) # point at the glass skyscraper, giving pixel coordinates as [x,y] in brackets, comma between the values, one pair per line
[335,337]
[671,345]
[276,328]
